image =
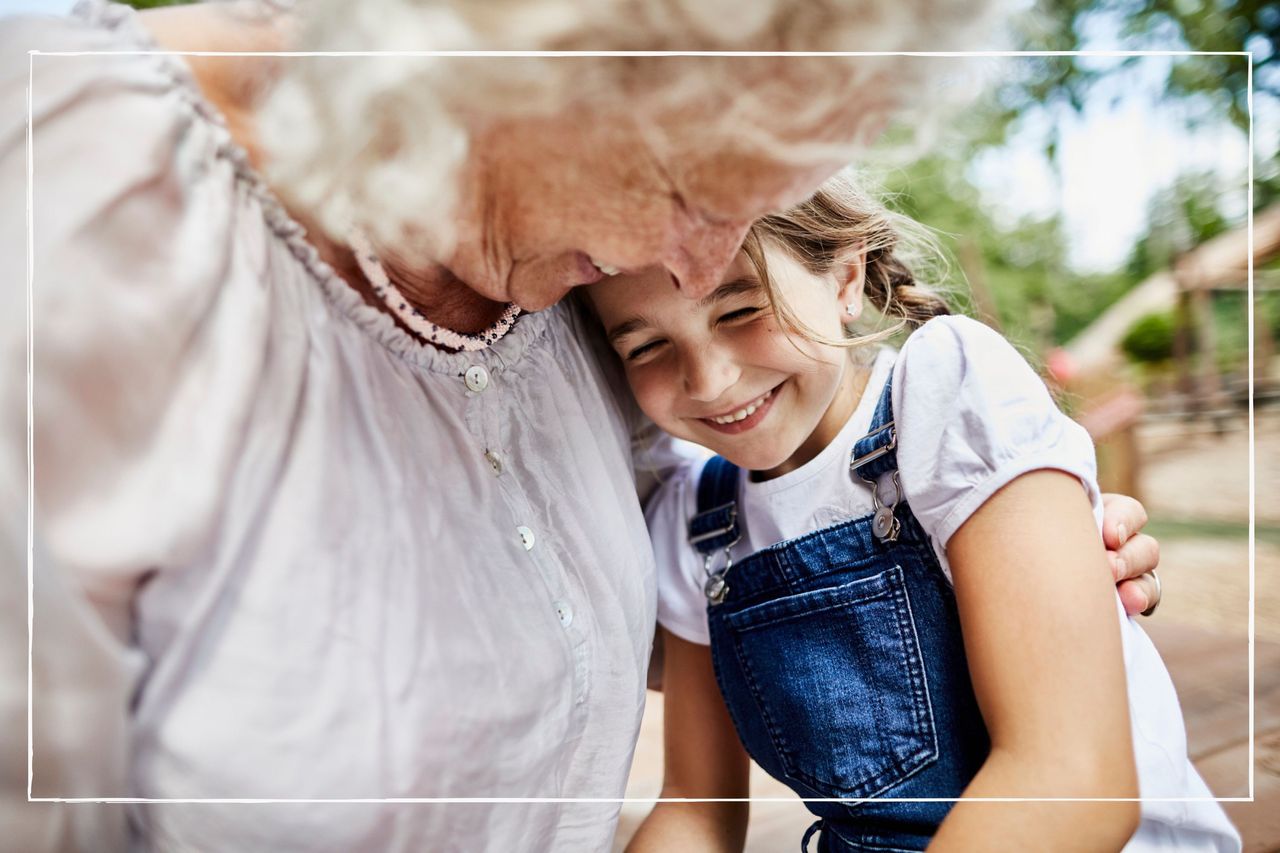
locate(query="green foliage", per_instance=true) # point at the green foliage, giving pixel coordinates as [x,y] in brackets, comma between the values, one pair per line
[1179,218]
[1150,339]
[1197,25]
[1039,300]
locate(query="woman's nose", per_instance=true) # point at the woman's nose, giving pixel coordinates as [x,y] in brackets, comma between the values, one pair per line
[702,254]
[708,373]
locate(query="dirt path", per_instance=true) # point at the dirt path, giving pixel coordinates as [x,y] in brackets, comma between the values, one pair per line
[1195,481]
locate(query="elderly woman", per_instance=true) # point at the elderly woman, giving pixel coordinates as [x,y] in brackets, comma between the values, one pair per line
[325,504]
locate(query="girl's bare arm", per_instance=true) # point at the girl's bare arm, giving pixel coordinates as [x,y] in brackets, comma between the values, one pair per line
[1038,612]
[703,758]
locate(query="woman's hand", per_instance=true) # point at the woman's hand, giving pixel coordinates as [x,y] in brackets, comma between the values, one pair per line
[1132,553]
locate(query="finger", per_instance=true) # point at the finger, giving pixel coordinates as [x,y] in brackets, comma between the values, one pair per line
[1138,556]
[1119,569]
[1133,596]
[1122,516]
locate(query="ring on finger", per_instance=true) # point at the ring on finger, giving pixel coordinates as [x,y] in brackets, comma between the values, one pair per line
[1159,593]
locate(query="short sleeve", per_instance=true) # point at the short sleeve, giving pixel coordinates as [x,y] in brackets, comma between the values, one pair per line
[971,417]
[682,607]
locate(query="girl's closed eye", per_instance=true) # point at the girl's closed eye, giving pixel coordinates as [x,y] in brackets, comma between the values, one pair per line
[739,314]
[645,349]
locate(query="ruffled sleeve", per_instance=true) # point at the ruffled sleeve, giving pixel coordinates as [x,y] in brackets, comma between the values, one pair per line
[141,273]
[135,397]
[972,416]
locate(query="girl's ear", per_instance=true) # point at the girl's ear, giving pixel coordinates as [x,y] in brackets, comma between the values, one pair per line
[851,275]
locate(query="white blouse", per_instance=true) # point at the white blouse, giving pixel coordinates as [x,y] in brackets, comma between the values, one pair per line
[333,563]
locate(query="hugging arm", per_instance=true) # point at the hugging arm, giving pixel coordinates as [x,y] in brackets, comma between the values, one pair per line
[1130,552]
[1041,632]
[703,758]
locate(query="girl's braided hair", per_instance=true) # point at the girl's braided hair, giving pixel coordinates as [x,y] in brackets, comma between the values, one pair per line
[833,227]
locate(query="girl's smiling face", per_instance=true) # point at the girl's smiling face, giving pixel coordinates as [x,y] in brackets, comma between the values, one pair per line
[723,371]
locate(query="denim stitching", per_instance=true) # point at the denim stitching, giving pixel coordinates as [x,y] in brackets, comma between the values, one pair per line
[895,768]
[921,675]
[863,843]
[785,757]
[788,608]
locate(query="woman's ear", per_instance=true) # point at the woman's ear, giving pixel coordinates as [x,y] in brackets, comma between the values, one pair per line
[851,276]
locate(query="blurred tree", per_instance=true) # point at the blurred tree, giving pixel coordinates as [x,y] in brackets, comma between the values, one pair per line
[1038,300]
[1150,339]
[1199,25]
[1179,217]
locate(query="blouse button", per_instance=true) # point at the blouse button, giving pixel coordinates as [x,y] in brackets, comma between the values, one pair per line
[564,613]
[526,537]
[476,378]
[495,461]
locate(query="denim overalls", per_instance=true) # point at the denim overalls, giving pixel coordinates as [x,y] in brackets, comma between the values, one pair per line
[840,659]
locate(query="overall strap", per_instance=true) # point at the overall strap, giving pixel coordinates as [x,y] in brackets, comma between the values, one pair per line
[715,526]
[877,452]
[874,459]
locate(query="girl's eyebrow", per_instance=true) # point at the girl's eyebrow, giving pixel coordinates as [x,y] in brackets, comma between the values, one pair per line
[737,287]
[628,327]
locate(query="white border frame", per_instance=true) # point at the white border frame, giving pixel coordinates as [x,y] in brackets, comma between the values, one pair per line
[31,54]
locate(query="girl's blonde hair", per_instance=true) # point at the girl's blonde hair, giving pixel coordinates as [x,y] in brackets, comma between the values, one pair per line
[834,226]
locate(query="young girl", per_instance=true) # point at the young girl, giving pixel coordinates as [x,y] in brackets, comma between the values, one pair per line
[890,581]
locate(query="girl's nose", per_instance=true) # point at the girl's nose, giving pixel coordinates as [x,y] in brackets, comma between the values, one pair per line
[709,372]
[702,254]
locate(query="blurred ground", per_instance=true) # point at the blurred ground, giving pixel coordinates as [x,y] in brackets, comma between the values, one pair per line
[1195,484]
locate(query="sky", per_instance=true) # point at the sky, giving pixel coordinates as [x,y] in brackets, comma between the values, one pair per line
[1112,158]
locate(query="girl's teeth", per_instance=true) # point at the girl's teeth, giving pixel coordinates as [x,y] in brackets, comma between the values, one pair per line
[743,414]
[607,269]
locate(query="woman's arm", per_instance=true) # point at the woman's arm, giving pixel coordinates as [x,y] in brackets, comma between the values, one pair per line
[1038,612]
[703,759]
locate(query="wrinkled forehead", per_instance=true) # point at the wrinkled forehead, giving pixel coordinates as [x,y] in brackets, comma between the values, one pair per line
[746,136]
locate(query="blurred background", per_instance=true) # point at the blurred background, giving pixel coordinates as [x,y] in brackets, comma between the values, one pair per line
[1095,210]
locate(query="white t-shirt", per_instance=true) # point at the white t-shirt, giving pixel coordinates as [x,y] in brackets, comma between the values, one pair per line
[971,416]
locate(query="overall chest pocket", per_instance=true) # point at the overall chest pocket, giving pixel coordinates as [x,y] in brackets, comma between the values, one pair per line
[837,677]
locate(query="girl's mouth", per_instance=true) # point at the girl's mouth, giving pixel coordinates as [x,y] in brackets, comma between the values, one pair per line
[745,418]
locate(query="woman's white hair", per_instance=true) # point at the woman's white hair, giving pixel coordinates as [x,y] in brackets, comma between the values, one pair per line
[379,140]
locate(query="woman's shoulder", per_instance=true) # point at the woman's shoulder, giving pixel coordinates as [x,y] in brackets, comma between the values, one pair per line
[99,44]
[105,111]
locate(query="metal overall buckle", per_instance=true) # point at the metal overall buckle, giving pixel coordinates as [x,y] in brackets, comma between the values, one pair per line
[716,587]
[885,524]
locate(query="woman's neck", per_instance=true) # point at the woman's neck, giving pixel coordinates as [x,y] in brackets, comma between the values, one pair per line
[235,87]
[437,293]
